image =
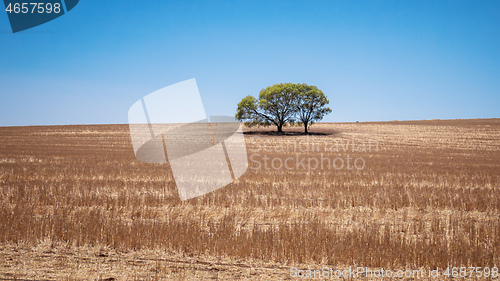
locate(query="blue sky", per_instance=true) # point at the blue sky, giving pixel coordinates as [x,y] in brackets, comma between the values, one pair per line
[375,60]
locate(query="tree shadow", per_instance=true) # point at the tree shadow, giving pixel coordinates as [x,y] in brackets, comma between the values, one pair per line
[290,133]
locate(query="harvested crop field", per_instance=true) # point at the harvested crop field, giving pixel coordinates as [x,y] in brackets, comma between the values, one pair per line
[76,204]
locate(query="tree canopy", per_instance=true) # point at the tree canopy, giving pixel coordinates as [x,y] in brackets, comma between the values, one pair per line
[284,103]
[311,105]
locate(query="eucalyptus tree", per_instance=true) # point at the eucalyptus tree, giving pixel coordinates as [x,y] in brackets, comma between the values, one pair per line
[311,105]
[276,105]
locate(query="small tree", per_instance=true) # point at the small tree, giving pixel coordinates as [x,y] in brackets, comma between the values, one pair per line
[277,105]
[311,105]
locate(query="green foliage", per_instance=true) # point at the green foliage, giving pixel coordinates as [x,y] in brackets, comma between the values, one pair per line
[277,103]
[247,109]
[311,105]
[284,103]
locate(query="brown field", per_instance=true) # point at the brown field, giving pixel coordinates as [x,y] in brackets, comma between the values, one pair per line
[76,204]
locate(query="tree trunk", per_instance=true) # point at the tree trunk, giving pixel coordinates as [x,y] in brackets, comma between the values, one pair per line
[280,128]
[305,128]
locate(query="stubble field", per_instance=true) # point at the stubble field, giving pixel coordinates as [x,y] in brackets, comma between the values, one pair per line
[76,204]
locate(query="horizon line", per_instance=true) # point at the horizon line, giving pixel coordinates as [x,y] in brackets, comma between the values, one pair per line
[339,122]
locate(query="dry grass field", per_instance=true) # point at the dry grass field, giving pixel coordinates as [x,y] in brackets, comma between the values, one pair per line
[75,204]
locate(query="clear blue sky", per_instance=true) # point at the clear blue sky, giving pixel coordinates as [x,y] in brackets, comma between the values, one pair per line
[375,60]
